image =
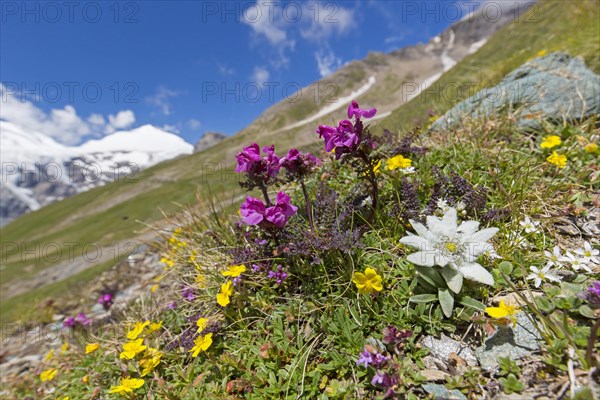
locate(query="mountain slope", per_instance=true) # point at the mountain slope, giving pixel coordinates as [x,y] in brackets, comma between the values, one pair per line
[572,27]
[37,170]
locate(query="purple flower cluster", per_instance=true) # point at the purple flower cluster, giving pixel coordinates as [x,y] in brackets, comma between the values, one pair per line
[298,164]
[188,293]
[371,357]
[258,169]
[592,294]
[385,381]
[394,336]
[346,137]
[80,320]
[106,300]
[254,212]
[278,275]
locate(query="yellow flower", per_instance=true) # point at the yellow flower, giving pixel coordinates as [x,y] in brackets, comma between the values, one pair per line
[377,167]
[92,347]
[201,280]
[502,311]
[542,53]
[234,271]
[398,162]
[85,379]
[131,349]
[64,348]
[148,364]
[591,148]
[154,326]
[150,361]
[202,343]
[49,355]
[560,160]
[137,330]
[170,263]
[550,142]
[153,288]
[48,375]
[367,282]
[226,291]
[201,324]
[127,385]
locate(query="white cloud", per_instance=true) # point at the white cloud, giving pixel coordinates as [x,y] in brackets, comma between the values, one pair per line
[325,20]
[279,25]
[194,124]
[171,128]
[225,70]
[161,99]
[122,120]
[327,62]
[62,124]
[260,75]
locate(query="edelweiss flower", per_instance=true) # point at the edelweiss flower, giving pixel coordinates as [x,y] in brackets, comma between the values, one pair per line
[530,226]
[451,246]
[540,275]
[588,252]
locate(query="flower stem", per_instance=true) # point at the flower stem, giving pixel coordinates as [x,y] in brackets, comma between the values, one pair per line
[308,205]
[589,354]
[263,189]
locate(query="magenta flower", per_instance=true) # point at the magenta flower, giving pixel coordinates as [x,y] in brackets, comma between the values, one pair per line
[253,211]
[279,214]
[354,110]
[249,161]
[106,300]
[82,319]
[343,139]
[247,158]
[69,322]
[297,163]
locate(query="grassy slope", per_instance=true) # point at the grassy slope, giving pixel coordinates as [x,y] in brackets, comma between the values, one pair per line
[571,26]
[553,25]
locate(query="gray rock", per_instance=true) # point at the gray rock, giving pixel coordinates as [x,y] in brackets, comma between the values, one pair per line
[514,342]
[208,140]
[442,347]
[440,392]
[554,87]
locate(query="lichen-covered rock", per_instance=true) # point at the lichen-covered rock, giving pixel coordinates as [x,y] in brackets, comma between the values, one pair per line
[555,87]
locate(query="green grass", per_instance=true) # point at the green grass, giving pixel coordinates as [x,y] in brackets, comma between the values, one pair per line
[570,26]
[29,306]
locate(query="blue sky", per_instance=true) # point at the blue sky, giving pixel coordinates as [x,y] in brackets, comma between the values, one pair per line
[86,69]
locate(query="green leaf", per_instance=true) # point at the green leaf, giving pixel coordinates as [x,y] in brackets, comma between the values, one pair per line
[431,276]
[505,267]
[586,311]
[423,298]
[454,279]
[470,302]
[446,301]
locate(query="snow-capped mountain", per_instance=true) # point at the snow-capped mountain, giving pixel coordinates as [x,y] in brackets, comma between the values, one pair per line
[37,170]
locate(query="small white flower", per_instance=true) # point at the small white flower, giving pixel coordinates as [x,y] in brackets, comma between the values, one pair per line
[529,225]
[578,263]
[540,275]
[451,246]
[588,252]
[555,258]
[518,240]
[407,171]
[442,205]
[460,207]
